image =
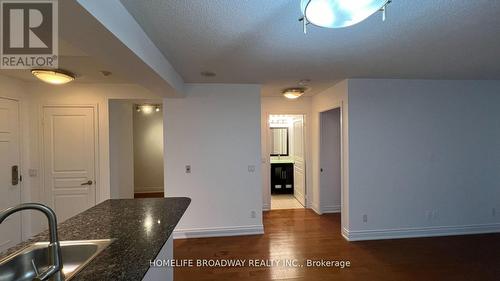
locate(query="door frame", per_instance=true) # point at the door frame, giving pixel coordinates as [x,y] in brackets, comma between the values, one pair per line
[41,143]
[23,194]
[267,164]
[340,106]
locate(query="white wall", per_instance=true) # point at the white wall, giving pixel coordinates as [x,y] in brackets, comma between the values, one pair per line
[281,105]
[334,97]
[121,149]
[148,151]
[424,157]
[216,130]
[330,161]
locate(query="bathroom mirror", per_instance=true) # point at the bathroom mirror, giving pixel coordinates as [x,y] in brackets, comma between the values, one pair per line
[279,141]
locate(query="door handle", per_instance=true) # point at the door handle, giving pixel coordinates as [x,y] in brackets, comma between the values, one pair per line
[89,182]
[15,175]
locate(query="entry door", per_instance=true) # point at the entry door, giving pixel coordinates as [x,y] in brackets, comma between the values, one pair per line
[69,159]
[299,167]
[10,192]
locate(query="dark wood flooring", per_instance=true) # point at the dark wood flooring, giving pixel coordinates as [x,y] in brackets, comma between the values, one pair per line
[301,234]
[149,195]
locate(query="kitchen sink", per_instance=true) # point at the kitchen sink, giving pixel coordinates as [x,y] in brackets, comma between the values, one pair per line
[22,265]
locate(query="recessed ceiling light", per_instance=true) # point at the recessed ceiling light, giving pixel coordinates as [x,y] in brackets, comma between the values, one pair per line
[208,74]
[293,93]
[304,82]
[56,77]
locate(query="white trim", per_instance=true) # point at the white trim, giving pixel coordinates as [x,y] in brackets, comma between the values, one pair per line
[345,233]
[266,207]
[362,235]
[344,172]
[331,209]
[218,231]
[315,207]
[41,151]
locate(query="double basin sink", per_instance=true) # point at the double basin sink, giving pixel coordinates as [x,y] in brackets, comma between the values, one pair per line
[25,264]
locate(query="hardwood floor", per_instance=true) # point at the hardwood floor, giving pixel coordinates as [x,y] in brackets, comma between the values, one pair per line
[149,195]
[301,234]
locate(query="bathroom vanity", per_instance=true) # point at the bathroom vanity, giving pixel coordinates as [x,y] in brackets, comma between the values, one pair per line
[281,177]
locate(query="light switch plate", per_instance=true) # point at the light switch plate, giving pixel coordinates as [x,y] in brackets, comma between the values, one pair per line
[188,169]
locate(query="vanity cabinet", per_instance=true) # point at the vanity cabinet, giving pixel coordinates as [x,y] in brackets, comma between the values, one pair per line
[282,178]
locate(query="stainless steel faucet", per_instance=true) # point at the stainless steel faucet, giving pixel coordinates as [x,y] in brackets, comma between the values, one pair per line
[54,269]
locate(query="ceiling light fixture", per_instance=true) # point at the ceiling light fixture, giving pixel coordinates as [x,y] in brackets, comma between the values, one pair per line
[148,108]
[340,13]
[293,93]
[53,76]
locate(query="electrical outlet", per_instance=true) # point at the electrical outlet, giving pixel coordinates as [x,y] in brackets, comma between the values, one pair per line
[188,169]
[253,214]
[365,218]
[251,168]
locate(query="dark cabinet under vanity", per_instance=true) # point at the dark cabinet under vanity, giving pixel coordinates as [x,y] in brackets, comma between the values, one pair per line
[281,178]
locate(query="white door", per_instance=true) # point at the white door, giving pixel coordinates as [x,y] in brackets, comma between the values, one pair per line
[330,181]
[299,167]
[10,193]
[69,159]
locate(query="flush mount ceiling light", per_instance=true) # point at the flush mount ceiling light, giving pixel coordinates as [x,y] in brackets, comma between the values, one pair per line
[340,13]
[293,93]
[53,76]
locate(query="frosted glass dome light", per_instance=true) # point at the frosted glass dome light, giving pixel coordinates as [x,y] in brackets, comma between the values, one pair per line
[339,13]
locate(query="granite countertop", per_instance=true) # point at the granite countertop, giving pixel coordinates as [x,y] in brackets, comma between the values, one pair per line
[140,226]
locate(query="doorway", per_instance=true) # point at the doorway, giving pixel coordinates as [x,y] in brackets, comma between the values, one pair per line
[10,185]
[287,161]
[136,148]
[330,161]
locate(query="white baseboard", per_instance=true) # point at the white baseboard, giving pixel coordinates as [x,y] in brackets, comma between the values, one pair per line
[420,232]
[345,234]
[266,207]
[330,209]
[218,231]
[315,207]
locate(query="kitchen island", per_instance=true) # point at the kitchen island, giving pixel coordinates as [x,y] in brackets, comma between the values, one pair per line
[141,229]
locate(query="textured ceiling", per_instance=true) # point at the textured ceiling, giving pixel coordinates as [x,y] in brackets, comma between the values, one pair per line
[261,41]
[87,69]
